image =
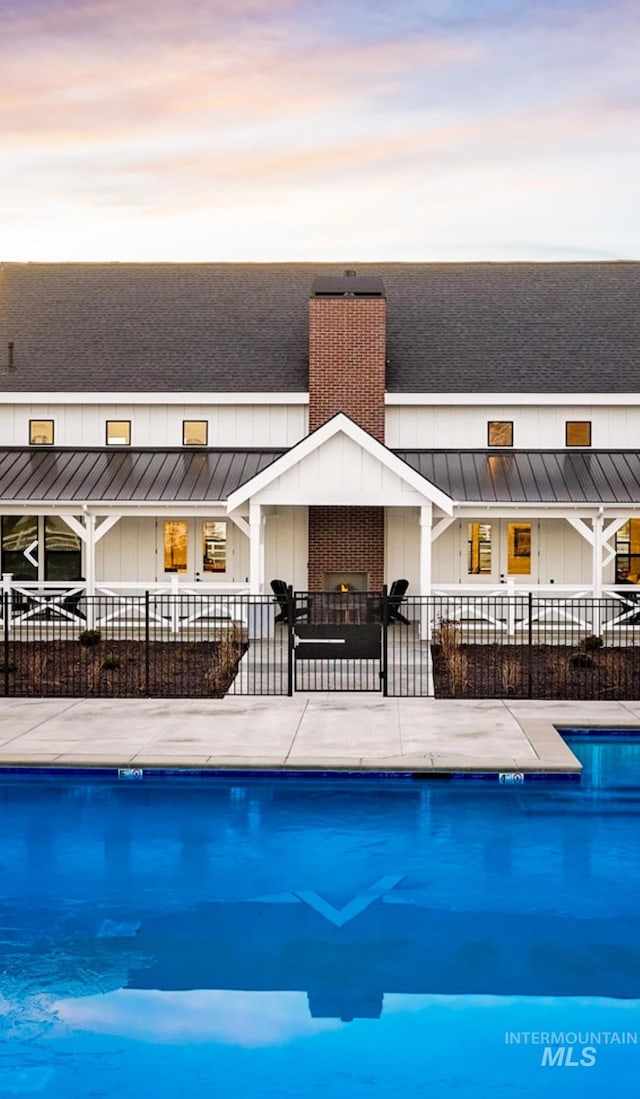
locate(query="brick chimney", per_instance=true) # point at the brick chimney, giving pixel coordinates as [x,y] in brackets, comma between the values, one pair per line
[347,351]
[347,355]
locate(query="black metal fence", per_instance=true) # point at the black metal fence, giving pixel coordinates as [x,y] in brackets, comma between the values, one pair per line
[523,646]
[161,645]
[207,645]
[338,640]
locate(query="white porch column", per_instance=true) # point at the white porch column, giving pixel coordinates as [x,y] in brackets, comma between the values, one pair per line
[598,532]
[90,554]
[256,548]
[598,539]
[426,522]
[90,566]
[263,524]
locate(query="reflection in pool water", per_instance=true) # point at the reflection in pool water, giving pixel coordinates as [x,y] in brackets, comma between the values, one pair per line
[319,936]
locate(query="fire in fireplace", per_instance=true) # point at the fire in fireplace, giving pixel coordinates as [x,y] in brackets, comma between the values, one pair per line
[346,581]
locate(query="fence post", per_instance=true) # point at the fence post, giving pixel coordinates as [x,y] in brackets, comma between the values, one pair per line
[511,607]
[175,613]
[7,582]
[291,621]
[146,643]
[530,644]
[384,656]
[6,611]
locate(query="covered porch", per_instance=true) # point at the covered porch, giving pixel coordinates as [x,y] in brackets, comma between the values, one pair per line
[477,525]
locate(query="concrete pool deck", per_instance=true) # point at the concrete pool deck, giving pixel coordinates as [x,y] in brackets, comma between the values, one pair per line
[319,732]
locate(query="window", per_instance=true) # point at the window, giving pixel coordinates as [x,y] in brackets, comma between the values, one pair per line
[175,546]
[500,432]
[194,432]
[628,552]
[41,432]
[578,433]
[118,432]
[479,549]
[519,549]
[214,546]
[62,550]
[20,546]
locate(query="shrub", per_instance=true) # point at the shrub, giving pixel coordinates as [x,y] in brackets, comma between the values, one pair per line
[9,666]
[592,643]
[226,655]
[110,662]
[581,659]
[458,671]
[447,635]
[89,637]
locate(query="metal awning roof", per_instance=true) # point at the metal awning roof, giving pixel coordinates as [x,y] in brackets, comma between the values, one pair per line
[538,476]
[68,475]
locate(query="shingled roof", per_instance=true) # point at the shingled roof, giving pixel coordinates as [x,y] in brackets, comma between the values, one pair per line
[476,327]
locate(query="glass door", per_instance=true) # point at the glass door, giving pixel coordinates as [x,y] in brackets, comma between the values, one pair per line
[518,551]
[496,551]
[479,556]
[194,549]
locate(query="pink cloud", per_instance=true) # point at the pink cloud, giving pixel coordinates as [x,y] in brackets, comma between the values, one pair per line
[121,71]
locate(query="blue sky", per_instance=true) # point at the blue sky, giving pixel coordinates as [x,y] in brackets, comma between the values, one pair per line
[291,130]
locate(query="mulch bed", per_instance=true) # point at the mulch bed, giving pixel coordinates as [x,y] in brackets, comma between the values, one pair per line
[545,671]
[119,669]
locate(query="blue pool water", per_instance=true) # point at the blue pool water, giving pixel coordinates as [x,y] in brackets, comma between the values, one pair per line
[279,937]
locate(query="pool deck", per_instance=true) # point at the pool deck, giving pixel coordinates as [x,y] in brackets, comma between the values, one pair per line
[308,732]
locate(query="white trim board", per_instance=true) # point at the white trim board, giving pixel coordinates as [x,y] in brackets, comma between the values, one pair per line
[418,400]
[198,398]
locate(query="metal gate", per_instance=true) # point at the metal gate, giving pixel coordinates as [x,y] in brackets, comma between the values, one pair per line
[339,641]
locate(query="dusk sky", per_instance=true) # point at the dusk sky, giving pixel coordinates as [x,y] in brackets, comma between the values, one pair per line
[326,130]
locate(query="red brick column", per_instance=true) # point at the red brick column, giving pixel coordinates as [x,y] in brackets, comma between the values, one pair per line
[347,352]
[346,540]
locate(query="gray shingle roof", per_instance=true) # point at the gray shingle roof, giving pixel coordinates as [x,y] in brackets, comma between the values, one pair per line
[477,327]
[99,474]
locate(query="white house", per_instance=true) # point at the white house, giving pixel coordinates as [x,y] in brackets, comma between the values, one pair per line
[460,425]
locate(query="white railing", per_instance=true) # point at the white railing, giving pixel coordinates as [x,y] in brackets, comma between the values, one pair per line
[123,603]
[505,607]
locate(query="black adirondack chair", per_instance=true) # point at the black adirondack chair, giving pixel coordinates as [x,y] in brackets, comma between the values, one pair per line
[396,594]
[280,589]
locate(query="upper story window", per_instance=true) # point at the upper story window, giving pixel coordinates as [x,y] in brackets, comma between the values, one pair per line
[500,432]
[118,432]
[195,432]
[41,432]
[578,433]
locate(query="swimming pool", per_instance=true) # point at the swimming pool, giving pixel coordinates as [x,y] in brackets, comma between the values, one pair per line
[268,936]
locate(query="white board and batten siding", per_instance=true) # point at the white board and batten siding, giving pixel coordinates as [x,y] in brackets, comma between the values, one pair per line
[158,425]
[132,551]
[535,427]
[339,472]
[287,546]
[559,555]
[402,547]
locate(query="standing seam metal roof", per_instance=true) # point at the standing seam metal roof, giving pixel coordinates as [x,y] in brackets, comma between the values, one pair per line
[61,474]
[541,476]
[58,475]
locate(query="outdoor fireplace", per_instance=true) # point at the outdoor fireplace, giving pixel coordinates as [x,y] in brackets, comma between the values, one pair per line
[345,581]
